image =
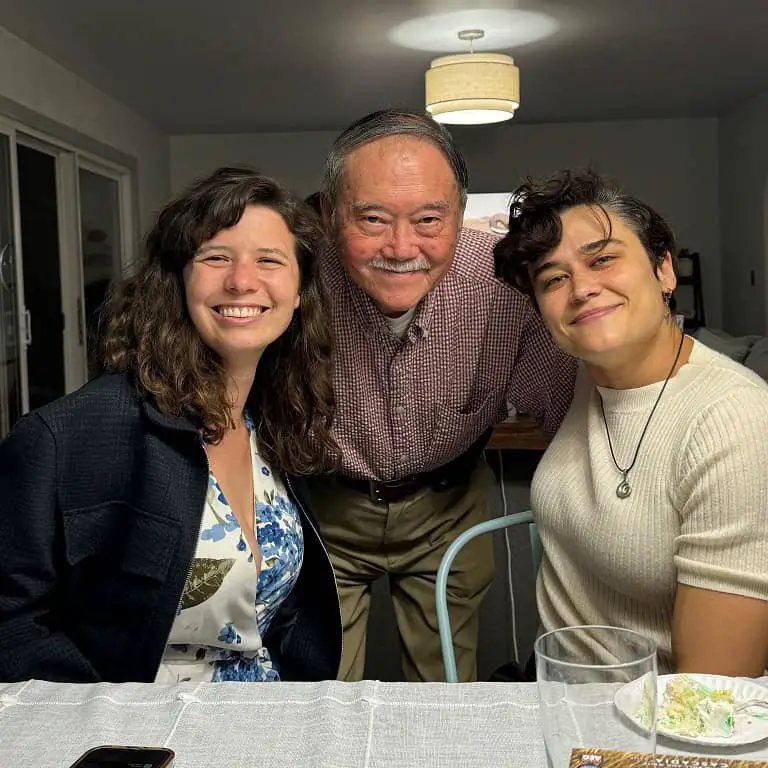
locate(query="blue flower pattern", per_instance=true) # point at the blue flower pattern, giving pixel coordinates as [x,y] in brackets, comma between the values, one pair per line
[275,546]
[224,525]
[229,634]
[232,649]
[237,667]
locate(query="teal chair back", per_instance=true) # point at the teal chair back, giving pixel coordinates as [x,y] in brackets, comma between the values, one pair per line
[441,587]
[536,547]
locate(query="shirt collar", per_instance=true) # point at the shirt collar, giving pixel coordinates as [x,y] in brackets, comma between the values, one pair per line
[366,311]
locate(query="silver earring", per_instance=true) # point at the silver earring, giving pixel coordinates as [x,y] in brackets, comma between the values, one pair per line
[667,296]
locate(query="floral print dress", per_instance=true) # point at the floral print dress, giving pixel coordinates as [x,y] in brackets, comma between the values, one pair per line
[225,610]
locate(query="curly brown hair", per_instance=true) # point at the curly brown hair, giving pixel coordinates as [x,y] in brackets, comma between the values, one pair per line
[146,330]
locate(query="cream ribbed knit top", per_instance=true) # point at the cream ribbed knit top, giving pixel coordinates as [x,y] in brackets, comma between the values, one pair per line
[698,512]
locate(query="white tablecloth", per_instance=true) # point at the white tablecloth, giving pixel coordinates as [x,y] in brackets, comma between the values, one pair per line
[312,725]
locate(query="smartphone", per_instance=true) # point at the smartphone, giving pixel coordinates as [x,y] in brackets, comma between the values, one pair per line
[125,757]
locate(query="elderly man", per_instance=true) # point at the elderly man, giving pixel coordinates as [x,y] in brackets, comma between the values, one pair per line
[431,348]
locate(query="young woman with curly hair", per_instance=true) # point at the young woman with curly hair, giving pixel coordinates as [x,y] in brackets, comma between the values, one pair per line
[152,524]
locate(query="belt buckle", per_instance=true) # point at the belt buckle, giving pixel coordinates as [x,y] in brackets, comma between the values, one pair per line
[374,493]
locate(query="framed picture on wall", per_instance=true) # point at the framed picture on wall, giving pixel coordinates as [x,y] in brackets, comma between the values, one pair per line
[488,212]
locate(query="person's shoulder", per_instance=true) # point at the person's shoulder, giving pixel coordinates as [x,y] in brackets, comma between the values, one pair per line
[99,402]
[474,254]
[723,375]
[727,400]
[83,418]
[473,263]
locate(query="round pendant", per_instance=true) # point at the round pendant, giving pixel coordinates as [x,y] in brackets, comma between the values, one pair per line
[623,490]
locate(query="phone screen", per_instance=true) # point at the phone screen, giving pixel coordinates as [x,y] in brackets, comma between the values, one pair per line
[126,757]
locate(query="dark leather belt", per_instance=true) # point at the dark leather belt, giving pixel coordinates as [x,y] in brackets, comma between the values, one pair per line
[450,475]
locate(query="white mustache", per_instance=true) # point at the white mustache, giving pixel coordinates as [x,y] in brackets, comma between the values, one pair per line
[420,264]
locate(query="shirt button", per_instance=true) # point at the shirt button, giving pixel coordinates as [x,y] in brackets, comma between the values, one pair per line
[399,410]
[403,458]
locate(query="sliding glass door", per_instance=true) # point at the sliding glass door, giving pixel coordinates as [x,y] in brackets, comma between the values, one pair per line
[40,243]
[64,235]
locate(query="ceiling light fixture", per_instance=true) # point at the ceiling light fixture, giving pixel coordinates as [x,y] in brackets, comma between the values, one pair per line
[472,88]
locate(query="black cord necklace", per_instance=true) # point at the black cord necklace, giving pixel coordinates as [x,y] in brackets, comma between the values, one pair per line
[623,489]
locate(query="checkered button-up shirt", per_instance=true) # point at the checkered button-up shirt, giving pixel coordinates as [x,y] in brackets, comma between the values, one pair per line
[475,345]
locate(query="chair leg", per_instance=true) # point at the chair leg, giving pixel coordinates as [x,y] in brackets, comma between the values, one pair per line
[441,586]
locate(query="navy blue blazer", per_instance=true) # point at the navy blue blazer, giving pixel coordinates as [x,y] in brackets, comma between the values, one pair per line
[101,500]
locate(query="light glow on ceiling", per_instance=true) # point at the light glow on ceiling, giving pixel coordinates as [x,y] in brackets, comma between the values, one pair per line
[503,29]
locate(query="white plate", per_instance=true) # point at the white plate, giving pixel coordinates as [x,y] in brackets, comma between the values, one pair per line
[747,730]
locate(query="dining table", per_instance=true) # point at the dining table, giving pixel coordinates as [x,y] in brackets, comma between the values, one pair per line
[369,724]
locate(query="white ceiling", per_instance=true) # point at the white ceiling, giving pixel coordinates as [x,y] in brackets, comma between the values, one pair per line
[273,65]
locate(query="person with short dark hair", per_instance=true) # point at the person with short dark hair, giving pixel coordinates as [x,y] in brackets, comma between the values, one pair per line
[152,524]
[650,500]
[430,350]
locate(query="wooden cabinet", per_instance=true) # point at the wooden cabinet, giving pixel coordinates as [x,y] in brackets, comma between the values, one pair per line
[520,433]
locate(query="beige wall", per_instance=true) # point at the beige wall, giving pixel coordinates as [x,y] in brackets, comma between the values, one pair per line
[295,158]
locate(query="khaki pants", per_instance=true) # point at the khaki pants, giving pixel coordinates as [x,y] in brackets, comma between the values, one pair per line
[407,540]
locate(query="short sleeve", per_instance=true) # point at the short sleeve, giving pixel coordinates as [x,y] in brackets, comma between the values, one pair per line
[723,497]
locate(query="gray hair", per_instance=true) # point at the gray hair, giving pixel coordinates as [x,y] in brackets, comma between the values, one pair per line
[380,125]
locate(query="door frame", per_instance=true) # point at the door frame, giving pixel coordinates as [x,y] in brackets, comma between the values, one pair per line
[765,254]
[8,129]
[66,210]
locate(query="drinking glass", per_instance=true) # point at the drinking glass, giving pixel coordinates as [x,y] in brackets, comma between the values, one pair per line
[579,670]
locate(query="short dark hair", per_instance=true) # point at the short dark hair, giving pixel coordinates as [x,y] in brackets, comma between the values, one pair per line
[381,125]
[148,333]
[535,226]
